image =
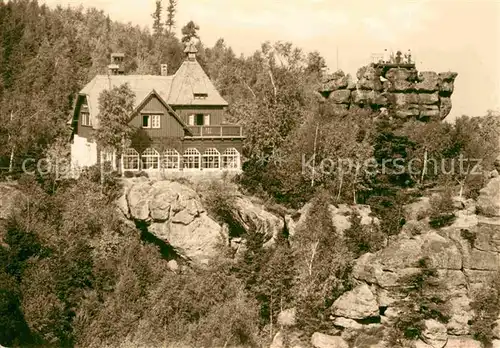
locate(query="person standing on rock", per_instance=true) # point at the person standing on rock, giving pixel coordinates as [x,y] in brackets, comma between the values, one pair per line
[386,56]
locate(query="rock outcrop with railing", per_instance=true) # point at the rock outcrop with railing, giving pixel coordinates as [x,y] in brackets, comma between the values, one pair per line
[399,90]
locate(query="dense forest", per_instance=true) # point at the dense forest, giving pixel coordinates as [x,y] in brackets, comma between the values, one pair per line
[74,274]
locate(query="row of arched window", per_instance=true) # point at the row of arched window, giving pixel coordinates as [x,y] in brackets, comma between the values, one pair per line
[151,159]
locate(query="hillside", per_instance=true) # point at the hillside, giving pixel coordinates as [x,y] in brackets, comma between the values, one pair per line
[360,218]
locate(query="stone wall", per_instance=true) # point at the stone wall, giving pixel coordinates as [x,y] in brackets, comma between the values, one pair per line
[404,92]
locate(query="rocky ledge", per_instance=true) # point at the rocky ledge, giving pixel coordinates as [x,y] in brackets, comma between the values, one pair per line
[404,92]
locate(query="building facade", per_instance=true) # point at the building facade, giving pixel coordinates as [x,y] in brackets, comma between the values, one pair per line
[180,122]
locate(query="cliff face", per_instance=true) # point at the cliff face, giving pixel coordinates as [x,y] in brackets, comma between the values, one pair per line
[404,92]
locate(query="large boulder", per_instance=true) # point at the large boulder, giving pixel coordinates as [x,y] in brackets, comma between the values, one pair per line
[335,81]
[446,83]
[369,79]
[408,111]
[488,202]
[434,333]
[341,96]
[463,342]
[401,80]
[428,98]
[253,215]
[359,303]
[175,215]
[403,99]
[429,112]
[319,340]
[445,106]
[427,81]
[285,339]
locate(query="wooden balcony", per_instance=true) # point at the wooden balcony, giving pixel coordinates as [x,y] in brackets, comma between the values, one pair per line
[221,131]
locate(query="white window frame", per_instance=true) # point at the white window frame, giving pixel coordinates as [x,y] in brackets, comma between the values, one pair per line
[231,159]
[171,159]
[129,156]
[150,159]
[191,120]
[85,115]
[206,120]
[154,121]
[211,159]
[191,159]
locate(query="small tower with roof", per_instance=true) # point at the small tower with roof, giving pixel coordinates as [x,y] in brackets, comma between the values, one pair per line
[191,50]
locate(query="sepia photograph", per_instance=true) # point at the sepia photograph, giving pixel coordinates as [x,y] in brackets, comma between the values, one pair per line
[250,173]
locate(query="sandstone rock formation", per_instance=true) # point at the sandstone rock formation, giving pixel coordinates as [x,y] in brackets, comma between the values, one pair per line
[319,340]
[174,214]
[489,199]
[405,92]
[341,217]
[463,268]
[359,303]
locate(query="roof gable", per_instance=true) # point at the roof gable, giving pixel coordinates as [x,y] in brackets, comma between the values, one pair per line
[178,89]
[190,79]
[168,107]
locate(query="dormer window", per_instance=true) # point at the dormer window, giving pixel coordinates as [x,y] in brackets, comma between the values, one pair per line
[200,96]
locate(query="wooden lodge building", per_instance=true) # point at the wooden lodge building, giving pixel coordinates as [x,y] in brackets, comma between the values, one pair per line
[180,121]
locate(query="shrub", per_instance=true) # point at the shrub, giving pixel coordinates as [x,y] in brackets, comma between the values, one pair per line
[422,300]
[324,266]
[363,239]
[219,200]
[442,210]
[486,306]
[469,236]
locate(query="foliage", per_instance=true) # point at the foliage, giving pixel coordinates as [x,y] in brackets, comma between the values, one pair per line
[421,300]
[190,31]
[486,307]
[157,20]
[442,210]
[115,107]
[171,10]
[363,239]
[323,265]
[219,201]
[469,236]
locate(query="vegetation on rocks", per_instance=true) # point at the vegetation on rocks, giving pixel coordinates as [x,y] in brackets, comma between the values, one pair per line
[74,272]
[421,300]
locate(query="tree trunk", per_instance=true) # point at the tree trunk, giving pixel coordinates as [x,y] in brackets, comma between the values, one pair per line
[271,317]
[11,160]
[340,184]
[314,155]
[313,254]
[424,169]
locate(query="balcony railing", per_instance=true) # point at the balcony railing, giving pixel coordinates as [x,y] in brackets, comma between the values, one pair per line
[217,131]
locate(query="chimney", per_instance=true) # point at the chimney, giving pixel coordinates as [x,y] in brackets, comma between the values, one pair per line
[164,69]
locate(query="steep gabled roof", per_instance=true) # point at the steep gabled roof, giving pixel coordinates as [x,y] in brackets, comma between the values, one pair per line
[178,89]
[189,80]
[141,85]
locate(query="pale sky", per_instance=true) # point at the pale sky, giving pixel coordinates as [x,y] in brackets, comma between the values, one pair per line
[456,35]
